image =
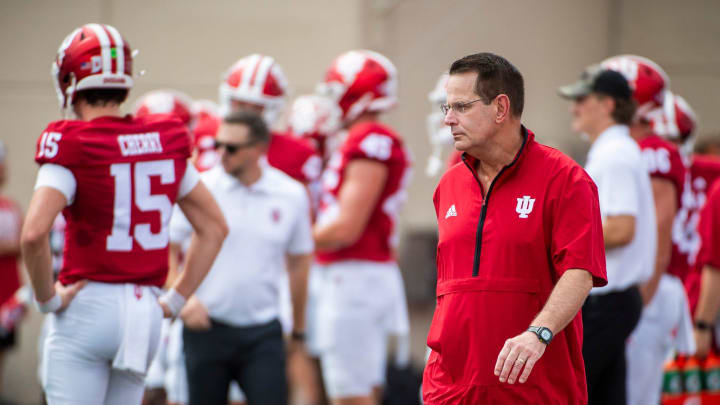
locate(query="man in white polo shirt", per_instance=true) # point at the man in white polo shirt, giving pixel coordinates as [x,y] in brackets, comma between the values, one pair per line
[232,331]
[602,109]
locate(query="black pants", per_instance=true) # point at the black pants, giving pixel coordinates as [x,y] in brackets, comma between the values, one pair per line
[608,320]
[253,356]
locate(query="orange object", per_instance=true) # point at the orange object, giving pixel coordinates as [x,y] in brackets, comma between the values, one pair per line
[711,380]
[692,377]
[672,388]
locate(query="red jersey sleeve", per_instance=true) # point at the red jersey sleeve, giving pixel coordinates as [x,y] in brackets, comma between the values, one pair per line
[709,228]
[576,231]
[58,144]
[371,142]
[295,157]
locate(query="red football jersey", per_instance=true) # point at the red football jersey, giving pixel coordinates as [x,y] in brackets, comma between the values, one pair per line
[686,239]
[10,222]
[295,157]
[128,171]
[704,171]
[663,161]
[377,142]
[709,229]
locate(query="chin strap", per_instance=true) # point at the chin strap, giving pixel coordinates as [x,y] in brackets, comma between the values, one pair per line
[67,110]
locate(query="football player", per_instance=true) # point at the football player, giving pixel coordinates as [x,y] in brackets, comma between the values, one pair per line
[649,83]
[363,299]
[256,82]
[665,323]
[316,119]
[204,128]
[115,177]
[171,102]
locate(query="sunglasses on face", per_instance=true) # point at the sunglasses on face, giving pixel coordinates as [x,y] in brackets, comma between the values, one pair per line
[233,147]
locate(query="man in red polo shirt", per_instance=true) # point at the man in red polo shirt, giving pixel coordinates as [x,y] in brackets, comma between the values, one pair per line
[520,246]
[668,173]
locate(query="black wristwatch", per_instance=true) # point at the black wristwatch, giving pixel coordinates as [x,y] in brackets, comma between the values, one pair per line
[544,334]
[297,336]
[703,326]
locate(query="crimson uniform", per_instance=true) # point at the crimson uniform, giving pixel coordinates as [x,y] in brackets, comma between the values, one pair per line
[294,157]
[704,171]
[499,255]
[10,219]
[709,229]
[364,299]
[128,172]
[373,141]
[11,308]
[665,322]
[663,161]
[121,176]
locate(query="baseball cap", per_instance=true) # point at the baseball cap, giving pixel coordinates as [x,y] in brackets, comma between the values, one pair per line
[597,79]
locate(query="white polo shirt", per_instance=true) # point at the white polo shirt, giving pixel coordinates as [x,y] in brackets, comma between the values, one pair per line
[616,165]
[267,221]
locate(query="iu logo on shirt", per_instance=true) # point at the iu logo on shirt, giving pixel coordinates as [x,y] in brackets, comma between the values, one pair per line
[276,215]
[524,206]
[451,212]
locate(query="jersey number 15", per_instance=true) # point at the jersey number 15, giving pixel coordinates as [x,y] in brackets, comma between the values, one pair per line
[120,239]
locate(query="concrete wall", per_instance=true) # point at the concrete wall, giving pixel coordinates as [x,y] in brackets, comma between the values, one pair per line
[187,44]
[550,42]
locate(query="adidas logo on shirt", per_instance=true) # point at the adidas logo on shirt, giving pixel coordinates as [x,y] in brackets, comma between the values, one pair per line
[451,212]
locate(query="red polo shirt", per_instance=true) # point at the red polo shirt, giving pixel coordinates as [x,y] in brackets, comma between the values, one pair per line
[499,255]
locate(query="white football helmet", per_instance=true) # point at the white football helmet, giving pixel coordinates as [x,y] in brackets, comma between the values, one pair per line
[675,121]
[255,79]
[360,81]
[318,119]
[439,134]
[165,102]
[646,78]
[205,126]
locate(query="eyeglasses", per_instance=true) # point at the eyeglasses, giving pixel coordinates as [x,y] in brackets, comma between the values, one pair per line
[233,147]
[458,107]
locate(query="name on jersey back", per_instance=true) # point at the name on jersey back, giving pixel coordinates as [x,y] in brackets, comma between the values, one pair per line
[140,144]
